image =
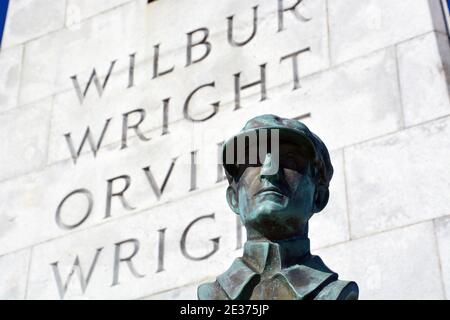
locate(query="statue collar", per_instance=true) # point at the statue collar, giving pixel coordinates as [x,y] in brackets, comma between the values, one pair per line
[271,256]
[289,263]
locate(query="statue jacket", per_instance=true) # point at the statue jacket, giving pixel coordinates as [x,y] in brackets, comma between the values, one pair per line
[260,275]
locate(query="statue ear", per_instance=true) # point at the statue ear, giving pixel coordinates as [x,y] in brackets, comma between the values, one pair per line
[321,198]
[232,199]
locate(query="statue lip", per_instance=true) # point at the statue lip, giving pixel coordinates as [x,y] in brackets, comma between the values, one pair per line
[270,189]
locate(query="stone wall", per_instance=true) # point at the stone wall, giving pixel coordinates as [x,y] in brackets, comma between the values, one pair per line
[148,87]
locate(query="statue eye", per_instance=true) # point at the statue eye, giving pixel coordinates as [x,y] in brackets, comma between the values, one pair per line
[293,162]
[288,161]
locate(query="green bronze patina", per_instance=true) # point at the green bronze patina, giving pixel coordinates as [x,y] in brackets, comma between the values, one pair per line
[275,207]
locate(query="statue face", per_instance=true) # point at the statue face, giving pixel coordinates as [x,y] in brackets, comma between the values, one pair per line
[276,205]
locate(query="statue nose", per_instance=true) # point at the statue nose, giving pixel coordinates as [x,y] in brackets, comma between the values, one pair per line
[270,167]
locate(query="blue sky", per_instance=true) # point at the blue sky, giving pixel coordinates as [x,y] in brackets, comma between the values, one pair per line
[3,9]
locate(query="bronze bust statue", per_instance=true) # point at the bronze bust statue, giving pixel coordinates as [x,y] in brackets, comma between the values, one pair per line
[275,196]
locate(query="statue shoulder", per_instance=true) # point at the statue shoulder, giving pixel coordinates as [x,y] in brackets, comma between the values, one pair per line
[335,289]
[211,291]
[339,290]
[234,284]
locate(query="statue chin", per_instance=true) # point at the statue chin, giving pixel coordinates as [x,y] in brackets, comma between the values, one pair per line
[271,208]
[275,220]
[271,223]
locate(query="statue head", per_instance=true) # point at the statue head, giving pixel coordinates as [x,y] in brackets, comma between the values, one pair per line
[278,173]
